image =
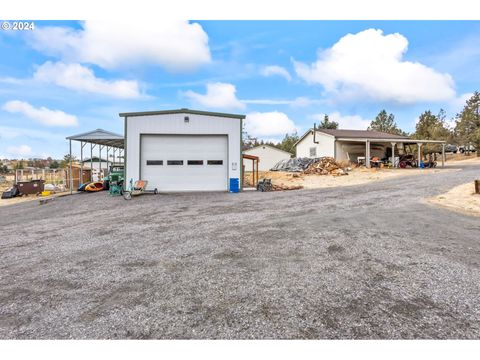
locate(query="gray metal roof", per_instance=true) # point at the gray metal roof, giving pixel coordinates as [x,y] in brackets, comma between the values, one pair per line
[353,134]
[100,137]
[269,146]
[369,134]
[182,111]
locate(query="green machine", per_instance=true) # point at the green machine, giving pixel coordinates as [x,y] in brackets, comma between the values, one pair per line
[114,181]
[115,185]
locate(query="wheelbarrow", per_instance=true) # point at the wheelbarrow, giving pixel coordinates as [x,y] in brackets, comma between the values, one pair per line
[138,188]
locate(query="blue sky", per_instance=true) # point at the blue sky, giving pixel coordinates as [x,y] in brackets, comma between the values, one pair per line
[64,78]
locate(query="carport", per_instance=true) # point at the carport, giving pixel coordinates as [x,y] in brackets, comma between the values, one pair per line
[100,139]
[393,142]
[255,160]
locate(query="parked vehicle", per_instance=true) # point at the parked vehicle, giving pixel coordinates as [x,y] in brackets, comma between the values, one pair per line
[463,148]
[117,172]
[451,148]
[407,160]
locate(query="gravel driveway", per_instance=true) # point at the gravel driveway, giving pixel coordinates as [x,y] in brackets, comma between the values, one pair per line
[369,261]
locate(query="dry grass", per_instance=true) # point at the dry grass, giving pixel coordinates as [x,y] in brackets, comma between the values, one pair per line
[461,198]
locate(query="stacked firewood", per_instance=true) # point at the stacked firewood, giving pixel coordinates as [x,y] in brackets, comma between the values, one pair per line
[325,166]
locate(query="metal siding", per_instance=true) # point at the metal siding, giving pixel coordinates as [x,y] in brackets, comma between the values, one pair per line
[325,146]
[174,124]
[268,157]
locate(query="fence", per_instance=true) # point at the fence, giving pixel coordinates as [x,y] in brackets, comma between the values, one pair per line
[50,176]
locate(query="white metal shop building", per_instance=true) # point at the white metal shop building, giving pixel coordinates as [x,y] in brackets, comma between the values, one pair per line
[184,150]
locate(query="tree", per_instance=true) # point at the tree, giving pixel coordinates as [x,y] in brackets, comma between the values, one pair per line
[39,163]
[54,164]
[288,143]
[431,127]
[19,165]
[467,126]
[386,123]
[327,124]
[3,169]
[66,160]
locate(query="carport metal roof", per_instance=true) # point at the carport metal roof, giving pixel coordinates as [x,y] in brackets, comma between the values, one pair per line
[100,137]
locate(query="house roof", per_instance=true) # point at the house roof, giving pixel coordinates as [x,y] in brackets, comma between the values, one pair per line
[368,134]
[100,137]
[353,134]
[269,146]
[182,111]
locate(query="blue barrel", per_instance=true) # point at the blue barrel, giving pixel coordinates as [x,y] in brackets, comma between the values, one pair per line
[234,185]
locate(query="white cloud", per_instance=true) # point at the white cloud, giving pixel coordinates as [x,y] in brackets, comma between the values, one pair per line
[460,101]
[268,124]
[218,95]
[275,70]
[19,151]
[300,101]
[350,122]
[369,64]
[9,133]
[81,78]
[175,45]
[11,81]
[42,114]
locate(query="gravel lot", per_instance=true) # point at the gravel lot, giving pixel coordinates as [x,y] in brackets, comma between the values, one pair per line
[368,261]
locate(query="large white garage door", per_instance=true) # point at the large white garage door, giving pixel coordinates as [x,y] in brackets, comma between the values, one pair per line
[185,162]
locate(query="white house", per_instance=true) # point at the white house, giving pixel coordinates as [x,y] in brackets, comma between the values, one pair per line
[184,150]
[353,145]
[268,156]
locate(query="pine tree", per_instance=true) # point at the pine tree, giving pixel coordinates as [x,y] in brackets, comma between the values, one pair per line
[431,127]
[288,143]
[467,128]
[327,124]
[386,123]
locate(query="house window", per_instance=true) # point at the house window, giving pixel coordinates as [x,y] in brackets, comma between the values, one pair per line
[195,162]
[154,162]
[313,151]
[215,162]
[174,162]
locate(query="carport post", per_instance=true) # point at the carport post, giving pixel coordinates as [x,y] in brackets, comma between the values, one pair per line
[393,154]
[81,162]
[99,162]
[443,155]
[367,153]
[108,167]
[419,145]
[91,162]
[71,176]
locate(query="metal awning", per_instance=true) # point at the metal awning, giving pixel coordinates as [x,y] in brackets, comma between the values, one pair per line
[100,137]
[391,140]
[97,138]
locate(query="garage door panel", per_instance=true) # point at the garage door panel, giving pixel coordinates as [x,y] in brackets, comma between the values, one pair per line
[185,147]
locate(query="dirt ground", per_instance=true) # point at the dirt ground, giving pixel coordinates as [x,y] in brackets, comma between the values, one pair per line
[20,199]
[358,262]
[461,198]
[460,157]
[357,176]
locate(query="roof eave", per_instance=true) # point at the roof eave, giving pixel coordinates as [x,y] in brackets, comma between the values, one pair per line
[182,111]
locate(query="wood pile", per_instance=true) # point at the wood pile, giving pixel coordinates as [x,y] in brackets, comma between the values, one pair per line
[325,166]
